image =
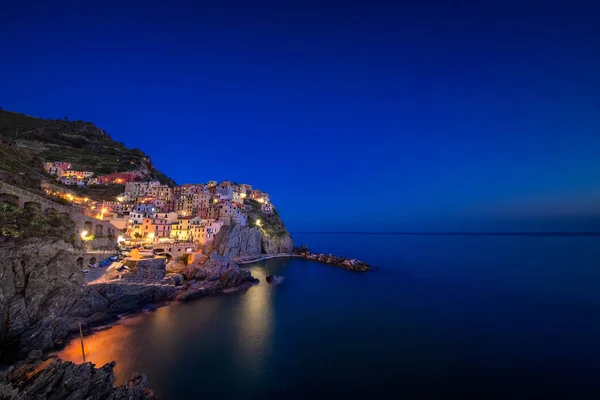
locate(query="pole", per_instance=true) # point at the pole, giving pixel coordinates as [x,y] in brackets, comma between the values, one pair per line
[81,337]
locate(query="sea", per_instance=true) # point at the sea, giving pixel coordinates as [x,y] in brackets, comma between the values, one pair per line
[441,316]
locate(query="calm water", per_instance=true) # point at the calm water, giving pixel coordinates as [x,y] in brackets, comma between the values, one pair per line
[443,316]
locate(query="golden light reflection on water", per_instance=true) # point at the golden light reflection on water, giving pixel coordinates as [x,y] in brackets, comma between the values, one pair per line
[159,338]
[256,325]
[106,346]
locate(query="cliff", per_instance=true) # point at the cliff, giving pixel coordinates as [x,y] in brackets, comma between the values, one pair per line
[39,283]
[43,296]
[237,241]
[264,233]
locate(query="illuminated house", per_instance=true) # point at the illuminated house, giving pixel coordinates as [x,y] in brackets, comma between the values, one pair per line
[180,229]
[197,230]
[162,192]
[119,178]
[244,187]
[225,190]
[56,168]
[226,210]
[237,197]
[266,208]
[145,208]
[77,174]
[137,189]
[210,212]
[170,217]
[212,230]
[162,228]
[147,228]
[259,196]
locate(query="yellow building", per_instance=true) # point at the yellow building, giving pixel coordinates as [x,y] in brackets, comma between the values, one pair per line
[180,230]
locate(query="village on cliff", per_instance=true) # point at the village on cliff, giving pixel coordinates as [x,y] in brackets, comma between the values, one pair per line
[177,220]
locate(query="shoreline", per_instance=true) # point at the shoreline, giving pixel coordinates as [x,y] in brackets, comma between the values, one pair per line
[269,257]
[111,320]
[349,264]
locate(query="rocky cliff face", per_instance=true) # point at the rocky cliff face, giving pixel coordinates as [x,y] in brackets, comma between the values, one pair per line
[270,237]
[215,275]
[237,241]
[40,377]
[39,283]
[43,296]
[276,244]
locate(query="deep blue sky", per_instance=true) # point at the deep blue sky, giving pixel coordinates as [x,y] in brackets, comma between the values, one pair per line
[353,115]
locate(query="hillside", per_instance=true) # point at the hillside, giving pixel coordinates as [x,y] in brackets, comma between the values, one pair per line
[30,141]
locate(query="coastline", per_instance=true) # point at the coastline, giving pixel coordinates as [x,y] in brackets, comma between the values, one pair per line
[242,261]
[180,294]
[349,264]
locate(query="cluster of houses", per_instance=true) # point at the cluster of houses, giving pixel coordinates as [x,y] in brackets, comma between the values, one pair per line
[195,213]
[63,173]
[152,212]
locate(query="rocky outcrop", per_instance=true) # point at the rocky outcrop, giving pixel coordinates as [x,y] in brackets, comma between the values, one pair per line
[277,244]
[343,262]
[215,275]
[40,377]
[175,266]
[148,269]
[40,283]
[238,241]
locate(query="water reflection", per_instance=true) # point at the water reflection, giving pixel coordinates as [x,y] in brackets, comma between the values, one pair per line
[256,319]
[106,346]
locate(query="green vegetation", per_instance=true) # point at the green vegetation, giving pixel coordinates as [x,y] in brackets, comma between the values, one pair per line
[21,223]
[270,224]
[28,141]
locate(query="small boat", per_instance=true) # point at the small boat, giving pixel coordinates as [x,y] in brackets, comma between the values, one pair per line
[270,278]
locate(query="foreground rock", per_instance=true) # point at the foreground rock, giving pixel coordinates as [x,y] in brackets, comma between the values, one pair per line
[40,286]
[343,262]
[40,377]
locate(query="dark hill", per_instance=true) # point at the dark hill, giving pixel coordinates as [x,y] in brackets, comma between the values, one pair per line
[30,141]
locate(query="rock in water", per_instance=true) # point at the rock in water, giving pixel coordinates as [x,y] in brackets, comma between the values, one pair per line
[40,377]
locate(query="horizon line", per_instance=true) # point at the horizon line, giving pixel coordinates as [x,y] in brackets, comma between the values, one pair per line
[450,233]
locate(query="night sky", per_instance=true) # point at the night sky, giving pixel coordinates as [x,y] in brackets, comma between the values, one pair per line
[353,115]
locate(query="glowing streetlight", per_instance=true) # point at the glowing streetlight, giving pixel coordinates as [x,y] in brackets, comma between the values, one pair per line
[258,222]
[84,234]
